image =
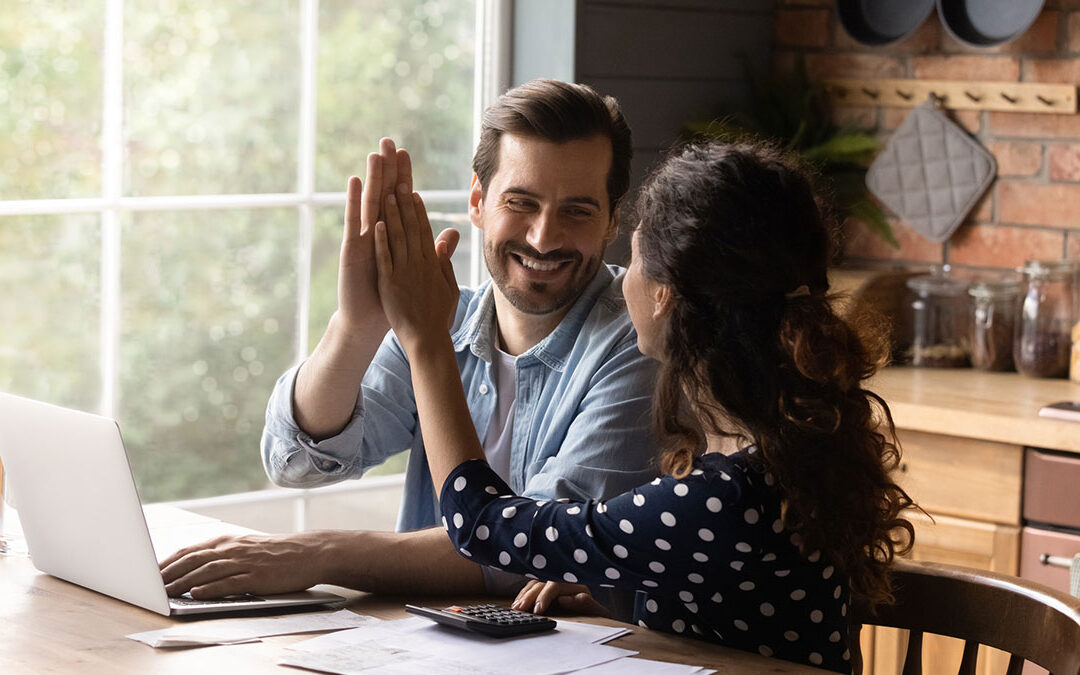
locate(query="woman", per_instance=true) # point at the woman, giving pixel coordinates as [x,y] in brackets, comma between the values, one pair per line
[777,504]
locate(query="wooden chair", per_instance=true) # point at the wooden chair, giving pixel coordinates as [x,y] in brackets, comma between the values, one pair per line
[1028,620]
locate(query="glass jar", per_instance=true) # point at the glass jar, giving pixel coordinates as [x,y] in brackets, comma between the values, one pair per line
[994,309]
[939,319]
[1043,341]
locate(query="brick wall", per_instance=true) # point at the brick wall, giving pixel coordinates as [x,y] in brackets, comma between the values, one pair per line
[1032,210]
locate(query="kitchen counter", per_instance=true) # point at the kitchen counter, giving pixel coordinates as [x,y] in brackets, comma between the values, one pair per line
[1001,407]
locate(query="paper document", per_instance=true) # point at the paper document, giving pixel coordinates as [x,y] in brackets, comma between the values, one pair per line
[234,631]
[535,654]
[636,666]
[589,632]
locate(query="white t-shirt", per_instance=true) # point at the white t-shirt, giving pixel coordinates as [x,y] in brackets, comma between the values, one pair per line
[500,432]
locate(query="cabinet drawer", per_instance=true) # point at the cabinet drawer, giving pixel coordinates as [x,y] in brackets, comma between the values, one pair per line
[1052,488]
[961,476]
[1034,542]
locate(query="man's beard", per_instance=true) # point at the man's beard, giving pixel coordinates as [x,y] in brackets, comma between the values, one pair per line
[537,298]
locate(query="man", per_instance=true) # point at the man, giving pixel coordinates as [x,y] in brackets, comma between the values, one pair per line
[557,390]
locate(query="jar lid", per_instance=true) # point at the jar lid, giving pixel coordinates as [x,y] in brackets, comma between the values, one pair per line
[995,288]
[1045,268]
[937,284]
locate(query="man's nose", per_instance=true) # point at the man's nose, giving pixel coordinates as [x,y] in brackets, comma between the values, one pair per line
[545,232]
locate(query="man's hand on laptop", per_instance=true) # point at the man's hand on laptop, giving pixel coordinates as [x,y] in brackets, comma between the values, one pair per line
[252,563]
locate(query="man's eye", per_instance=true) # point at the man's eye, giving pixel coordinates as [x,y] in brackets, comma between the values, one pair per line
[519,204]
[580,213]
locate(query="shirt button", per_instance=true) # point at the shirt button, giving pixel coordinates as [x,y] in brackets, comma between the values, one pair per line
[483,389]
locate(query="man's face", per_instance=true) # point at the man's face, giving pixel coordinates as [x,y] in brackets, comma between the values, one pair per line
[546,219]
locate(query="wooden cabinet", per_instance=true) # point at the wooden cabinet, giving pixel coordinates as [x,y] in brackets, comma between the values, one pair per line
[971,490]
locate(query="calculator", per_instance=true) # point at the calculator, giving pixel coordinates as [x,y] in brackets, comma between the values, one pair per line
[490,620]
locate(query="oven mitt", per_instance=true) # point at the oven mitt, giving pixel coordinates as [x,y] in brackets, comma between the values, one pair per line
[931,173]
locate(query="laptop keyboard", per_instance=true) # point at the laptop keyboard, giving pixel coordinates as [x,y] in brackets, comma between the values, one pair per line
[187,600]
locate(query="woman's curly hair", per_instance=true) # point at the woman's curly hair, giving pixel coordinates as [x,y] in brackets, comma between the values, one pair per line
[754,348]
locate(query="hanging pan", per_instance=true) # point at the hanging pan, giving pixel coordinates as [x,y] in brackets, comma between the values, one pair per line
[881,22]
[987,23]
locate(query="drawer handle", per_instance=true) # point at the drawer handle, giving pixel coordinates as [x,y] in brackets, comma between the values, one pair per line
[1055,560]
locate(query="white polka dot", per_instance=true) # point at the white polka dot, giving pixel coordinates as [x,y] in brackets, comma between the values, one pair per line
[716,597]
[662,544]
[459,520]
[836,592]
[742,547]
[778,526]
[747,586]
[445,525]
[551,533]
[465,552]
[782,573]
[696,629]
[509,512]
[798,594]
[701,557]
[611,573]
[740,624]
[601,507]
[846,655]
[482,533]
[620,550]
[714,504]
[769,479]
[532,576]
[642,623]
[571,577]
[541,503]
[768,557]
[655,481]
[827,572]
[816,616]
[767,609]
[765,650]
[814,557]
[725,476]
[691,606]
[588,530]
[686,596]
[796,540]
[843,609]
[651,605]
[626,526]
[751,516]
[459,483]
[737,565]
[834,636]
[639,500]
[504,558]
[696,472]
[657,567]
[491,490]
[573,510]
[667,518]
[580,555]
[695,578]
[815,658]
[678,625]
[649,583]
[539,562]
[706,534]
[681,490]
[520,539]
[791,636]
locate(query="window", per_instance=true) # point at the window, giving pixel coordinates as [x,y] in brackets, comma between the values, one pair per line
[172,193]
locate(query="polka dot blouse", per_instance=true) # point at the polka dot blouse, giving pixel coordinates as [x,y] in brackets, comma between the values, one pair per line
[708,555]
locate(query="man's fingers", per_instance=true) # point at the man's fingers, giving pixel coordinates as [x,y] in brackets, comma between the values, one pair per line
[211,571]
[389,166]
[446,243]
[399,251]
[404,169]
[233,585]
[410,222]
[384,262]
[371,201]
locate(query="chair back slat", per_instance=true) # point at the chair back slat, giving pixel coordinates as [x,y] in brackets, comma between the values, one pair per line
[970,658]
[913,656]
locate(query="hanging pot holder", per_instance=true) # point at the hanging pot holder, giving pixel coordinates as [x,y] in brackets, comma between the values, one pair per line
[931,173]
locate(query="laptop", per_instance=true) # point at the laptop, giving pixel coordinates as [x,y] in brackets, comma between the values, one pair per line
[81,514]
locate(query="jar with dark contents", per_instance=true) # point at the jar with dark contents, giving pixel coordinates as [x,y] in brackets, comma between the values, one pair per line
[994,308]
[1043,342]
[940,320]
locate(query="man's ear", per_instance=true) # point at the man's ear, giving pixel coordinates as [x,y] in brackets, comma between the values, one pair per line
[476,202]
[663,301]
[613,230]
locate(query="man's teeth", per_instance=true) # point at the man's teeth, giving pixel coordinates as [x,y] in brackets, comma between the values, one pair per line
[537,265]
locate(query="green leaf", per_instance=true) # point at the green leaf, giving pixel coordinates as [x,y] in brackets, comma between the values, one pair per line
[870,213]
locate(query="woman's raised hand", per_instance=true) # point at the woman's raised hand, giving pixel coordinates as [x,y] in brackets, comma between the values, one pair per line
[416,280]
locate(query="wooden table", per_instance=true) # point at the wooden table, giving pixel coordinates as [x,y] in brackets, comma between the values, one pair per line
[51,626]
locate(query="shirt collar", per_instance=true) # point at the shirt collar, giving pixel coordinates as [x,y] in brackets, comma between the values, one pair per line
[478,331]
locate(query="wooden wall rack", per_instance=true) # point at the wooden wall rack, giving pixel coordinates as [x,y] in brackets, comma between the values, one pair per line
[955,94]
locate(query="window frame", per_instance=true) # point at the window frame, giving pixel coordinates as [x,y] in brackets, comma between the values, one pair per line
[491,77]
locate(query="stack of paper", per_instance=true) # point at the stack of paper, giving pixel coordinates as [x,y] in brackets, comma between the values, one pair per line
[416,646]
[234,631]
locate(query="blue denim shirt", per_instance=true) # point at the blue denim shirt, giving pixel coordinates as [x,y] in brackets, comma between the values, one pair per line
[582,428]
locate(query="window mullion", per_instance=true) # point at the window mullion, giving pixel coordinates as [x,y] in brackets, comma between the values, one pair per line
[112,187]
[309,42]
